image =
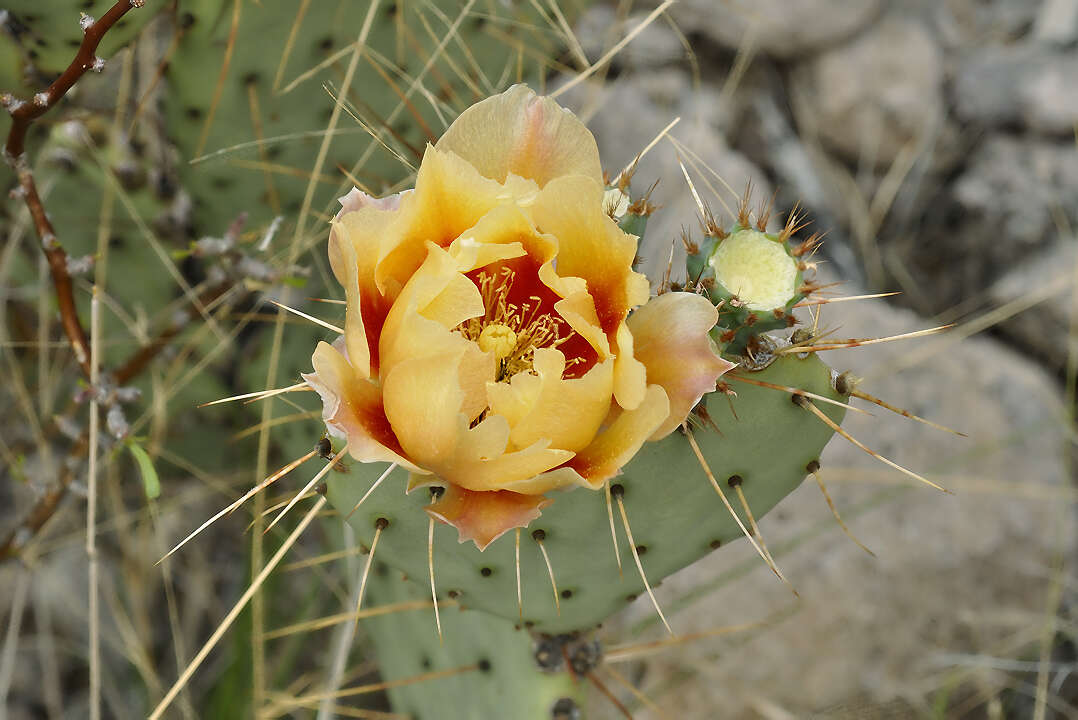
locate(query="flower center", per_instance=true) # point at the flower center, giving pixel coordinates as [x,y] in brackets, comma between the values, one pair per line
[513,330]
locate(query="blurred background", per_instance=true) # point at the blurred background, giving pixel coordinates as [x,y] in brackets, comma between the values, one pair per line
[192,180]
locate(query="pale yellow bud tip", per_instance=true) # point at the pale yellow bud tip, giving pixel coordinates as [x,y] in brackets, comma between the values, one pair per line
[498,339]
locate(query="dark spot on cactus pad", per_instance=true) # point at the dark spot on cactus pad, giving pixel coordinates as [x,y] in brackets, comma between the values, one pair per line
[547,652]
[326,43]
[585,656]
[844,383]
[381,523]
[529,623]
[453,594]
[565,709]
[273,152]
[813,466]
[484,665]
[566,594]
[425,663]
[250,78]
[72,42]
[715,544]
[734,480]
[187,20]
[617,490]
[630,597]
[539,535]
[486,572]
[799,400]
[222,182]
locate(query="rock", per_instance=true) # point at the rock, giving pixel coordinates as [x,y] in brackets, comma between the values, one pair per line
[658,44]
[1005,206]
[974,23]
[878,93]
[1057,22]
[1022,86]
[1044,330]
[957,577]
[781,28]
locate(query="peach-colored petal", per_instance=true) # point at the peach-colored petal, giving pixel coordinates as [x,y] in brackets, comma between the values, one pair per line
[520,133]
[352,409]
[483,517]
[671,333]
[621,439]
[567,412]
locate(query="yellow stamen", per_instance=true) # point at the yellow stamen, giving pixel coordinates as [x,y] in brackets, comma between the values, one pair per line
[512,332]
[498,339]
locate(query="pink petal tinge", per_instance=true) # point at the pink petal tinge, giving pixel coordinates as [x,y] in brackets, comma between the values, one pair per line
[671,339]
[523,134]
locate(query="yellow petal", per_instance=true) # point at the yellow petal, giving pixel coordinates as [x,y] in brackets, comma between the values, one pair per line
[423,401]
[671,334]
[621,439]
[630,377]
[435,300]
[352,409]
[520,133]
[450,197]
[567,412]
[502,234]
[355,242]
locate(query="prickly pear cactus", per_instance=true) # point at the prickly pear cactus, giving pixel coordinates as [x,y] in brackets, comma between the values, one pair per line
[266,121]
[479,668]
[675,514]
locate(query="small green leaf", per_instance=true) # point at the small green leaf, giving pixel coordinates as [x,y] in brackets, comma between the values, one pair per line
[146,469]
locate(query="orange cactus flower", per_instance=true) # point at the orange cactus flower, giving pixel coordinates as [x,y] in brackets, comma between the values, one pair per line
[497,341]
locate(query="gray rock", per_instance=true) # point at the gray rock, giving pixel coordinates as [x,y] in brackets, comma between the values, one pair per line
[781,28]
[958,577]
[1023,86]
[658,44]
[1057,22]
[973,23]
[999,211]
[878,93]
[1046,279]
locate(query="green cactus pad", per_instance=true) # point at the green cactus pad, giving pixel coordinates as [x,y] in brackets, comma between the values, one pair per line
[508,677]
[271,177]
[675,515]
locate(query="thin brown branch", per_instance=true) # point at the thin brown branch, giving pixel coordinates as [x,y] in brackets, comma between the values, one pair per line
[17,539]
[23,114]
